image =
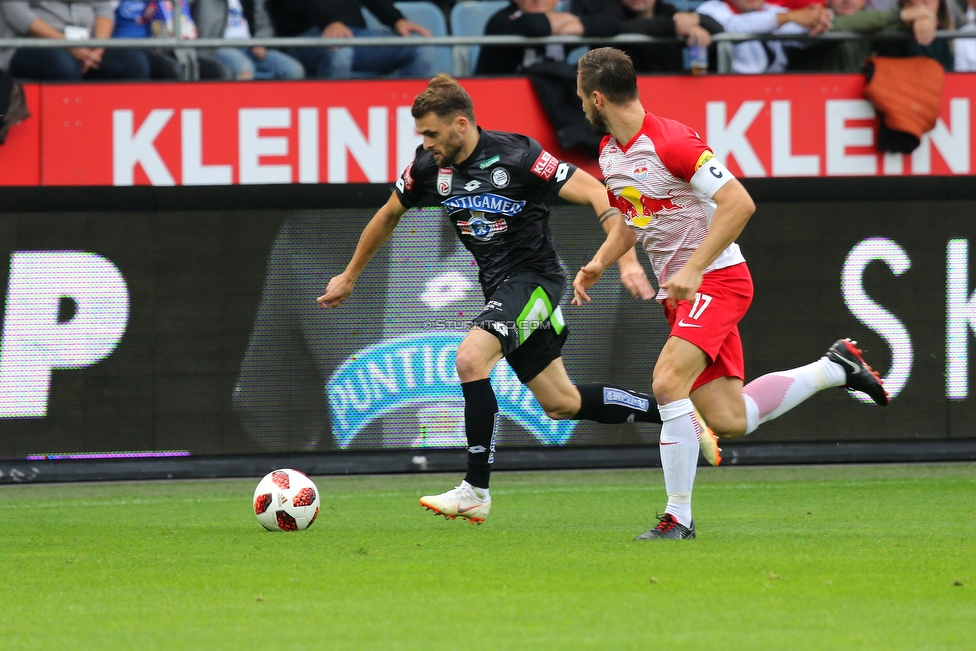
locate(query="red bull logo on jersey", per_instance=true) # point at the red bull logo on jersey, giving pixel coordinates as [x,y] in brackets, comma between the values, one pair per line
[638,209]
[641,169]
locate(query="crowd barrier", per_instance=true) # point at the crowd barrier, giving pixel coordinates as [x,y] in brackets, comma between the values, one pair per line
[463,47]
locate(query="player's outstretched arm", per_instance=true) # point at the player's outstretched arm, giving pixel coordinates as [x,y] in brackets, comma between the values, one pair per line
[733,209]
[377,231]
[620,241]
[583,189]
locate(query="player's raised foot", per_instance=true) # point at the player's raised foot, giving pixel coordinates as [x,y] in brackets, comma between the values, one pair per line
[860,376]
[709,442]
[668,527]
[709,447]
[460,501]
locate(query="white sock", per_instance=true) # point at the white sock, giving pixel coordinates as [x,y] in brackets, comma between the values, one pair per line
[480,493]
[772,395]
[679,456]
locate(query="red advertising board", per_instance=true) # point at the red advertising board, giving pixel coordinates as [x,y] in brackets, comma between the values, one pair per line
[232,133]
[362,131]
[810,125]
[20,155]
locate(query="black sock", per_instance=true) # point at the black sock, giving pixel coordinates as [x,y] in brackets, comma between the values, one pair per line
[605,403]
[480,418]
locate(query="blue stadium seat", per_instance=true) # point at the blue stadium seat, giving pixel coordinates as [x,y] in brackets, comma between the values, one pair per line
[574,54]
[430,16]
[469,18]
[685,5]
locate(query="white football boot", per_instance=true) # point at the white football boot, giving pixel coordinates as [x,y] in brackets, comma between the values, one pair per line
[459,501]
[709,442]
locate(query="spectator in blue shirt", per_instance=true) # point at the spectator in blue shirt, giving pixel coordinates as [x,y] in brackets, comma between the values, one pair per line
[154,18]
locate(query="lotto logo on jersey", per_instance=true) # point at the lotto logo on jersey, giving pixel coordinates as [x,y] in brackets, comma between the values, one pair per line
[545,165]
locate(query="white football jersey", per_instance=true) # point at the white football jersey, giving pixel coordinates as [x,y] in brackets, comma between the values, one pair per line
[663,182]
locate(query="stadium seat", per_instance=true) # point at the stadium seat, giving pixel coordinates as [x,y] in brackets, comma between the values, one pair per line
[574,54]
[468,18]
[430,16]
[686,5]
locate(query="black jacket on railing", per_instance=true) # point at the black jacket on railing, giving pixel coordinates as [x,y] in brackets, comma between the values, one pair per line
[653,57]
[294,17]
[507,59]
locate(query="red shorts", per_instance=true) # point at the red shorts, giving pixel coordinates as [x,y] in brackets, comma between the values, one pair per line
[711,321]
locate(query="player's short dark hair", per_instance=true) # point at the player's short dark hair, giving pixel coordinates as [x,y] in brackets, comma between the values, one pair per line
[609,71]
[445,98]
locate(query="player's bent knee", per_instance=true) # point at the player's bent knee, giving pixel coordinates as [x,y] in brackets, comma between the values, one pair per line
[667,388]
[562,408]
[471,364]
[729,427]
[561,412]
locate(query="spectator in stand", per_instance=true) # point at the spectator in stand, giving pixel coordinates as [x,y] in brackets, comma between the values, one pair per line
[654,18]
[940,50]
[232,19]
[757,17]
[70,21]
[344,19]
[957,8]
[966,47]
[537,18]
[154,18]
[849,16]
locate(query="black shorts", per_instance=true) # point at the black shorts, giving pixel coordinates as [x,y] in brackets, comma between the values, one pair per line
[523,312]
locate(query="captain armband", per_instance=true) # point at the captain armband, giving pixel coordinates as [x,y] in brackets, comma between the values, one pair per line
[711,176]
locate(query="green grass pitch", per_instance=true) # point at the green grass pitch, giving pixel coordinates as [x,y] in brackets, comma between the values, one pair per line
[835,557]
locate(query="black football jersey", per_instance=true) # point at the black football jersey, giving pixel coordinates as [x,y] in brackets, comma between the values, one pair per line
[497,201]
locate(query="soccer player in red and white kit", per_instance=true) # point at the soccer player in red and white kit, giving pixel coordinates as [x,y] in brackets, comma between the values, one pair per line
[686,209]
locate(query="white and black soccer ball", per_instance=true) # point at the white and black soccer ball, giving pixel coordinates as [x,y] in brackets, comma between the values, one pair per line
[286,500]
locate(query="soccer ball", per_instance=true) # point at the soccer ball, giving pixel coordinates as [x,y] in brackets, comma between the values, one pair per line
[286,500]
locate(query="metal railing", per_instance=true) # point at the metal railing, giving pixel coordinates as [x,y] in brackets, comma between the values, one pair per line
[725,41]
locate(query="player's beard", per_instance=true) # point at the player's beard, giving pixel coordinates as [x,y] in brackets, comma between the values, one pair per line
[598,123]
[451,149]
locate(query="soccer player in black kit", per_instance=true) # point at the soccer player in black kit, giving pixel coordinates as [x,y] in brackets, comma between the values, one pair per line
[493,186]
